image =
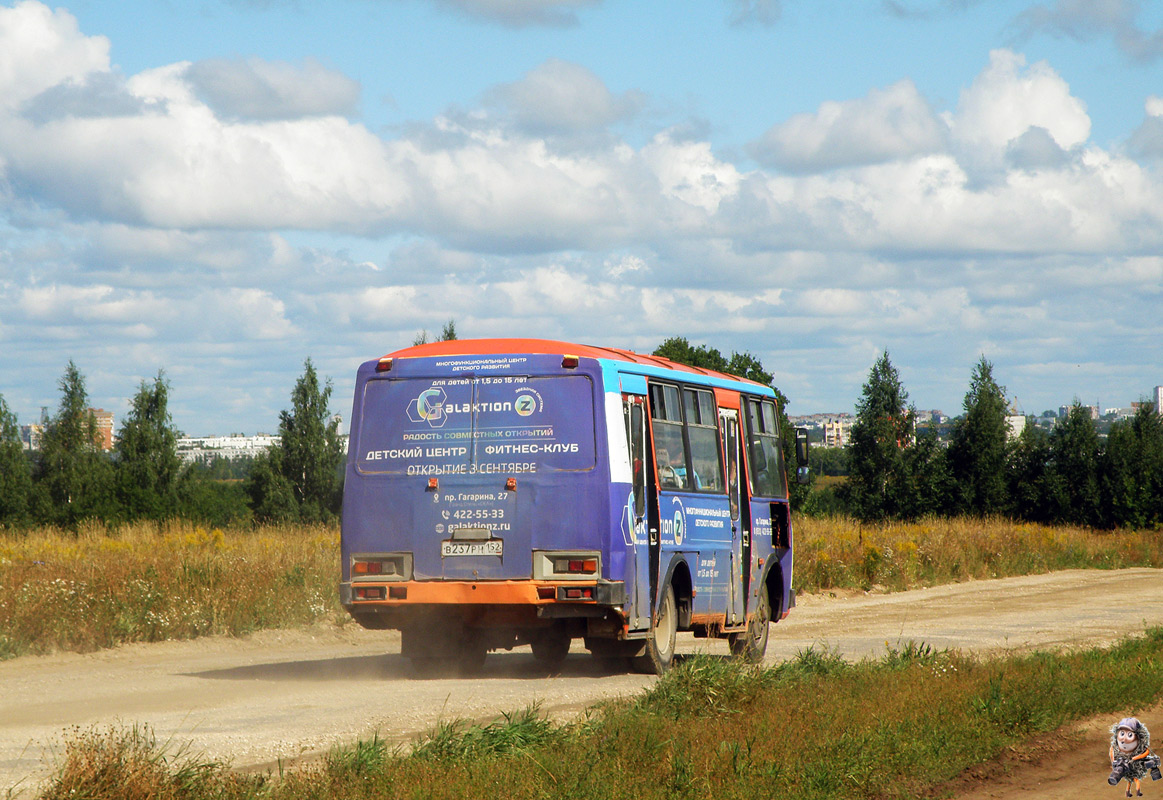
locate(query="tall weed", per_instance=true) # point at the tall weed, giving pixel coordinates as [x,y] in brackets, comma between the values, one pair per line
[839,552]
[143,583]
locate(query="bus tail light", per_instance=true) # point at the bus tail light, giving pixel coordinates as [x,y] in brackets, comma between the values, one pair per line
[369,593]
[510,484]
[575,566]
[381,567]
[569,565]
[575,593]
[384,364]
[433,484]
[569,362]
[367,568]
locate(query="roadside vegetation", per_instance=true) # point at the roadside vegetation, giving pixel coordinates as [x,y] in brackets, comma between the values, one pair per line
[842,552]
[146,582]
[814,727]
[98,587]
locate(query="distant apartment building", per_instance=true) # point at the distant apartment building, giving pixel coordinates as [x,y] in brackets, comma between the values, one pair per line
[30,436]
[104,428]
[1015,424]
[833,429]
[1158,399]
[205,449]
[1064,411]
[836,432]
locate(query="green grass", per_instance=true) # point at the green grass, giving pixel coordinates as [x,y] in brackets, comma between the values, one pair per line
[814,727]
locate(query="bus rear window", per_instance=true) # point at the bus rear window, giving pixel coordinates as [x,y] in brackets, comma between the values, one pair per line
[487,425]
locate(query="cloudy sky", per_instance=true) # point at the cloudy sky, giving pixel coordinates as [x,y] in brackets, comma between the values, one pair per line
[223,188]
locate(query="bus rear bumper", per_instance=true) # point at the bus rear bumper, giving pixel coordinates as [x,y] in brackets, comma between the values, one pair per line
[365,596]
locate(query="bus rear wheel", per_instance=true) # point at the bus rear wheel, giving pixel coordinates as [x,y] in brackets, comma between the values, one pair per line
[551,646]
[752,644]
[659,655]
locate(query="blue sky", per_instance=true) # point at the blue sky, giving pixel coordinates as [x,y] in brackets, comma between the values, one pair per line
[222,189]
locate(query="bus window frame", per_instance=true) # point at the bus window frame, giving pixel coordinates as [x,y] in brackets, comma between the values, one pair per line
[752,439]
[657,392]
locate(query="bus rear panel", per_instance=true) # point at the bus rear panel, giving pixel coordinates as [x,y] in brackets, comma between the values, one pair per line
[477,497]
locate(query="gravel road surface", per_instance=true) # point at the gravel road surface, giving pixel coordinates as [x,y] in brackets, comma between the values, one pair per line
[293,694]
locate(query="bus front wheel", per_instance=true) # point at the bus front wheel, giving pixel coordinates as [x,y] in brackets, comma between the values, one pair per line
[659,653]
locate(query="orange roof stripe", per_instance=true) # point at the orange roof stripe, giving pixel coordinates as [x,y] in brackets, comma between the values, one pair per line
[480,347]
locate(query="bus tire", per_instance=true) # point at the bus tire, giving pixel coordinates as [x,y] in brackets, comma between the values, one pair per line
[471,655]
[551,647]
[752,643]
[659,655]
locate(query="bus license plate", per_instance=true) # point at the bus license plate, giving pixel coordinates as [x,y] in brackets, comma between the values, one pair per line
[490,547]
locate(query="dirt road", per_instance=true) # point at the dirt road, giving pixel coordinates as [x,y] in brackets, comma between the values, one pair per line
[290,694]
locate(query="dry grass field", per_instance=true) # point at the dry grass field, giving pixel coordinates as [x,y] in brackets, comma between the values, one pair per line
[839,552]
[102,587]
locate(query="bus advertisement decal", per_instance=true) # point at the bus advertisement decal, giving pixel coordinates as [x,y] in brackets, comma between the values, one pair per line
[478,425]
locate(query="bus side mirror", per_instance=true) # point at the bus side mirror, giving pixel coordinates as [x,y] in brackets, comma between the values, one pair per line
[802,475]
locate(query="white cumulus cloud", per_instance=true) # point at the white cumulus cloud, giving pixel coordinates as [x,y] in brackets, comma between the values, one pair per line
[255,89]
[41,48]
[888,124]
[1009,98]
[562,97]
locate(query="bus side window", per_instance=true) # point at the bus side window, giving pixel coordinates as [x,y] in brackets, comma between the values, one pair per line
[669,447]
[702,420]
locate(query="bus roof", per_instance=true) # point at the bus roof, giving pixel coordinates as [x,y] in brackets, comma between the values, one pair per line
[473,347]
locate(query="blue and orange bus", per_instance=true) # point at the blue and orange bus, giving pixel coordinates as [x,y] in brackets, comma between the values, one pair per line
[506,492]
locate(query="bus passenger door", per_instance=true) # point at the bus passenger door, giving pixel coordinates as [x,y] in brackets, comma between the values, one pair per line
[740,534]
[634,407]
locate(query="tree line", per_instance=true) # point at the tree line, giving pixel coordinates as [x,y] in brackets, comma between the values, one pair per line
[893,472]
[1068,475]
[69,479]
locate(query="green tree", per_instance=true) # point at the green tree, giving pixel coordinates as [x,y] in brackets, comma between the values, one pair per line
[72,478]
[15,473]
[272,499]
[148,466]
[828,461]
[1035,491]
[1074,460]
[305,465]
[679,350]
[879,483]
[1131,471]
[929,482]
[1148,427]
[447,334]
[977,452]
